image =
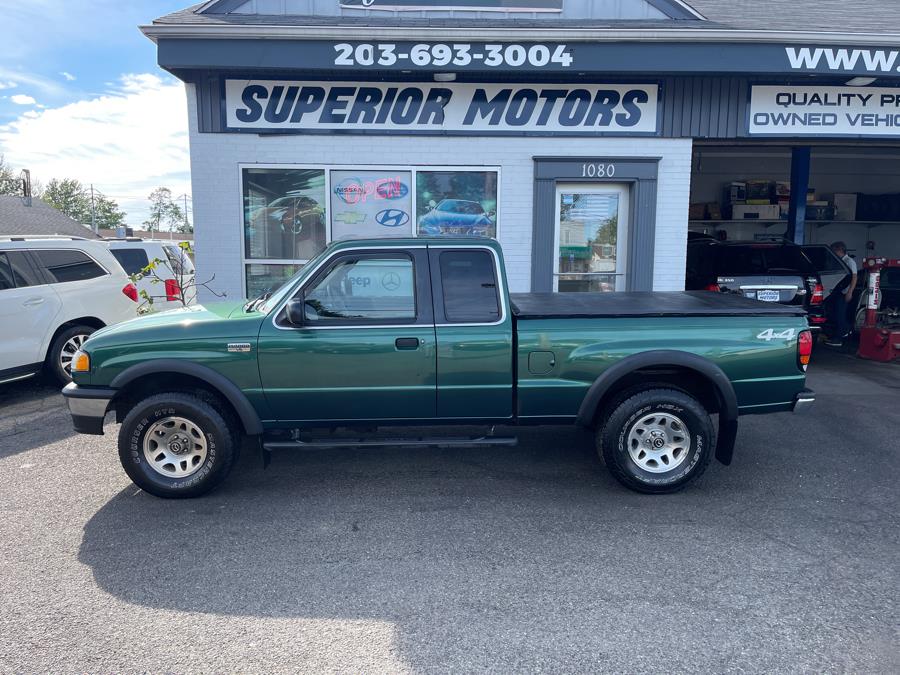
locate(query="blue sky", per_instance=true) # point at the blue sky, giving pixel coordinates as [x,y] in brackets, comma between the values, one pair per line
[81,96]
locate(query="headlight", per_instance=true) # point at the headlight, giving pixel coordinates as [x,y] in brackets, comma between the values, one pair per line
[81,362]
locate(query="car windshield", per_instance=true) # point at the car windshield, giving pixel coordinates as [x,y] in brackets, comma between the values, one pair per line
[460,206]
[760,259]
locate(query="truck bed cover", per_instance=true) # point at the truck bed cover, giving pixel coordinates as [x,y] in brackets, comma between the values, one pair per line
[637,304]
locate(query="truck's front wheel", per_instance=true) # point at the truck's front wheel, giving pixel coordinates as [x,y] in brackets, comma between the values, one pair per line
[657,441]
[177,445]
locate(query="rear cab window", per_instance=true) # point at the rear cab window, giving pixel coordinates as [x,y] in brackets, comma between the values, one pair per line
[65,266]
[752,260]
[469,283]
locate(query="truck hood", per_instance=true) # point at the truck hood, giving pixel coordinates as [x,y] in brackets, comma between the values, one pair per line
[197,321]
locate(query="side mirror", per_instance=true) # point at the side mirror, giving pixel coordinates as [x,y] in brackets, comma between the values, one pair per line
[294,311]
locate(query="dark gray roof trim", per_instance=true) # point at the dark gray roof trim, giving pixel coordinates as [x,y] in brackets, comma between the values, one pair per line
[677,10]
[222,7]
[829,17]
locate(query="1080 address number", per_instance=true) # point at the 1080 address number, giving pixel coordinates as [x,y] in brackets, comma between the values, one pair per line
[537,56]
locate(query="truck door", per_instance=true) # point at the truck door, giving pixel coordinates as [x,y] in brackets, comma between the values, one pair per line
[366,347]
[474,333]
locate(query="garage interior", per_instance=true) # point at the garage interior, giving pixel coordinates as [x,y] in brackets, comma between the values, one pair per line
[853,196]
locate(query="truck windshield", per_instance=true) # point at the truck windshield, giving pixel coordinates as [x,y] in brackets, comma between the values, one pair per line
[278,291]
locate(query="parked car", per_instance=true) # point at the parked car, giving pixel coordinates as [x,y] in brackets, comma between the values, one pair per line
[456,216]
[175,270]
[769,271]
[422,331]
[54,293]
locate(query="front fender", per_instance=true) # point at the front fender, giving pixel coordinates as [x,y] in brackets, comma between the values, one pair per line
[248,415]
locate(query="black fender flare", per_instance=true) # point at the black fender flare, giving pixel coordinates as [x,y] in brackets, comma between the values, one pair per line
[249,418]
[728,415]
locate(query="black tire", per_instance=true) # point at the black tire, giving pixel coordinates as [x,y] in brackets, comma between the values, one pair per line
[616,445]
[54,354]
[210,424]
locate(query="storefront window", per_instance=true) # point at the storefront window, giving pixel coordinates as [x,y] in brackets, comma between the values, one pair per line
[371,203]
[284,213]
[456,203]
[266,278]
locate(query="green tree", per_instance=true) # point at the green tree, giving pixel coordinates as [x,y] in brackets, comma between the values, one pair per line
[164,212]
[107,212]
[10,184]
[69,196]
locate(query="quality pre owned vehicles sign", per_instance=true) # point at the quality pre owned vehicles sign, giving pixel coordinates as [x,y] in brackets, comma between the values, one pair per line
[478,109]
[824,111]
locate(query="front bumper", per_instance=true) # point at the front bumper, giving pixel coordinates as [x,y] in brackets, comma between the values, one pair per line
[804,401]
[88,407]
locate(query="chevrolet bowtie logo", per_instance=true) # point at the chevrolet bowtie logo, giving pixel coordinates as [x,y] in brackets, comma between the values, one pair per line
[350,217]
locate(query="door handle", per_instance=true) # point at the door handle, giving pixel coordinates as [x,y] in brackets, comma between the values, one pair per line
[406,343]
[33,302]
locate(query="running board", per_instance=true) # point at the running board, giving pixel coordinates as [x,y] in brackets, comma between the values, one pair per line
[421,442]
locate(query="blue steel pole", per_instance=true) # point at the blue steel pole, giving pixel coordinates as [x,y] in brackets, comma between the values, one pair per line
[800,160]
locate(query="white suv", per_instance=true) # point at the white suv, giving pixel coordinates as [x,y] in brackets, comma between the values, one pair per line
[175,270]
[55,292]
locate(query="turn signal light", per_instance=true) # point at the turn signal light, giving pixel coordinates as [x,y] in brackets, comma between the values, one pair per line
[131,291]
[81,362]
[804,348]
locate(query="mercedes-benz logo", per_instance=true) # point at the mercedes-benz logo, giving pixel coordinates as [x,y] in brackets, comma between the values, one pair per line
[391,281]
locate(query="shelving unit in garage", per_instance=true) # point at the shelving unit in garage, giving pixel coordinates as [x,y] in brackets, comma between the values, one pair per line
[831,173]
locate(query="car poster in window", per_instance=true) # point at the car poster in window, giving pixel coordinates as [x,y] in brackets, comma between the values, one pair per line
[456,203]
[371,203]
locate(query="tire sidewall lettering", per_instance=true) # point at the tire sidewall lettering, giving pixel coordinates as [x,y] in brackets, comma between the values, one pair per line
[698,445]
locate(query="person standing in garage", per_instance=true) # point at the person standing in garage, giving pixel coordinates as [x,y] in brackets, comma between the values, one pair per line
[841,296]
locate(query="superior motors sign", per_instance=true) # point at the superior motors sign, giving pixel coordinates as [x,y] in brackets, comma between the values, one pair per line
[296,107]
[825,111]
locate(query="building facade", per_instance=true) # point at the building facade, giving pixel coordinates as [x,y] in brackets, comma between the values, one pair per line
[587,137]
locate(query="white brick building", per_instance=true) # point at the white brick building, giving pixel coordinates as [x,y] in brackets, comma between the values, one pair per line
[312,120]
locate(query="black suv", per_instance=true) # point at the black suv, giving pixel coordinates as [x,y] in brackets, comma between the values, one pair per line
[771,271]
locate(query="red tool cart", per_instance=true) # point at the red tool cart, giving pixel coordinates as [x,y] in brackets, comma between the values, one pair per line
[879,339]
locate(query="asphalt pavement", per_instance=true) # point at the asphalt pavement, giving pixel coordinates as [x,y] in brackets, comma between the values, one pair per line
[509,560]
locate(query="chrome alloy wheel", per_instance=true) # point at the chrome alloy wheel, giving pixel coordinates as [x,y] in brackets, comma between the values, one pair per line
[659,442]
[175,447]
[67,353]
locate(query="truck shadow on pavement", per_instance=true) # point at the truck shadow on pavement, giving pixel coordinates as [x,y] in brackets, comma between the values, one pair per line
[529,557]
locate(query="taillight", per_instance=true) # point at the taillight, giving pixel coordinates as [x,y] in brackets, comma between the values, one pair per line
[804,348]
[173,290]
[712,287]
[131,291]
[817,319]
[818,294]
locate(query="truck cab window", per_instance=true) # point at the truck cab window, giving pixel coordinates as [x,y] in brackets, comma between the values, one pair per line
[469,282]
[365,288]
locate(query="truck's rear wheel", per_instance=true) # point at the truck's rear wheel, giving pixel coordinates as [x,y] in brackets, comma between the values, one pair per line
[657,441]
[177,445]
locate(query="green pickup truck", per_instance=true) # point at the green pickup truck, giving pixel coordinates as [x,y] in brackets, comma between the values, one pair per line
[422,332]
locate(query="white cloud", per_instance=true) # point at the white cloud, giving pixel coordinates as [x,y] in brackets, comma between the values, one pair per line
[126,142]
[68,76]
[22,99]
[7,85]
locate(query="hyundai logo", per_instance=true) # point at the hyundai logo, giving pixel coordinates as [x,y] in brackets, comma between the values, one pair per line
[392,217]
